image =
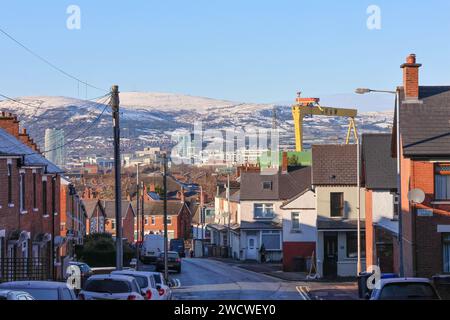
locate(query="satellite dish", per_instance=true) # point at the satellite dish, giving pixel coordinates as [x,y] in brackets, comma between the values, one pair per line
[416,196]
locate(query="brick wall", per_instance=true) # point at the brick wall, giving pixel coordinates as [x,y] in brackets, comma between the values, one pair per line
[370,243]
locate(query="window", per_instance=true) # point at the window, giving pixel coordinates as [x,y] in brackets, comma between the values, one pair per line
[271,240]
[34,191]
[263,211]
[352,245]
[395,205]
[153,220]
[295,218]
[267,185]
[44,198]
[22,192]
[442,182]
[10,200]
[53,195]
[446,253]
[169,220]
[337,204]
[113,224]
[146,221]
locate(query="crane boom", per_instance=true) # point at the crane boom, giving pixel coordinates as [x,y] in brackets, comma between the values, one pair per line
[310,106]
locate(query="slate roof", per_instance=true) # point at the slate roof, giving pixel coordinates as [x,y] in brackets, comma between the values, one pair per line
[425,126]
[379,167]
[90,205]
[11,146]
[156,208]
[334,164]
[284,186]
[333,224]
[110,208]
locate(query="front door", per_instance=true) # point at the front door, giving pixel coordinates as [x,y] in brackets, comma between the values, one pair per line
[252,251]
[330,255]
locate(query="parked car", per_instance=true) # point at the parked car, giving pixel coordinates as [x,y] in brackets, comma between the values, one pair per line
[405,289]
[152,246]
[111,287]
[86,271]
[177,245]
[173,261]
[146,282]
[15,295]
[42,290]
[165,292]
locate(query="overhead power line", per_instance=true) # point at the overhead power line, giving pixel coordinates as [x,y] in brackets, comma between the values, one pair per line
[67,74]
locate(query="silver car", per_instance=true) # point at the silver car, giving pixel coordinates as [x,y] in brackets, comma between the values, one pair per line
[405,289]
[111,287]
[42,290]
[15,295]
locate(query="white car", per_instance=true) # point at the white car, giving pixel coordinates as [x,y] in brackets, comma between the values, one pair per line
[405,289]
[165,292]
[15,295]
[111,287]
[146,282]
[42,290]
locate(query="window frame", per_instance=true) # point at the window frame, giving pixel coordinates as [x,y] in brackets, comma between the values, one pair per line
[44,198]
[22,192]
[435,174]
[445,242]
[10,173]
[169,220]
[363,244]
[264,208]
[341,208]
[295,229]
[271,232]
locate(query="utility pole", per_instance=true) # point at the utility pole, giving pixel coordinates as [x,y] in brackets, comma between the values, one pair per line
[115,102]
[138,199]
[166,245]
[142,211]
[229,215]
[358,199]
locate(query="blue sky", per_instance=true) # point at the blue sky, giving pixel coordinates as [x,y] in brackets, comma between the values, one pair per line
[253,51]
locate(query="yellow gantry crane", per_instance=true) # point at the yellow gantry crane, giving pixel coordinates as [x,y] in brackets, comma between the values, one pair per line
[310,106]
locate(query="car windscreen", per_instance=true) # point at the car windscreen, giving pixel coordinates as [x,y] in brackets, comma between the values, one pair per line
[170,255]
[107,286]
[42,294]
[141,280]
[408,291]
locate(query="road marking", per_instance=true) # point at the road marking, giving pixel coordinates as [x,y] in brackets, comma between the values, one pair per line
[303,292]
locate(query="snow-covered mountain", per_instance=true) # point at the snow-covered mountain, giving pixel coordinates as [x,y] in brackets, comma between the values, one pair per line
[151,118]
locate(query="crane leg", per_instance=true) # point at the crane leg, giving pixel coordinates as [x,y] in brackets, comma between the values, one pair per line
[298,122]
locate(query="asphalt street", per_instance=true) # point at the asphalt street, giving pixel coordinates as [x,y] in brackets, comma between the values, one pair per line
[203,279]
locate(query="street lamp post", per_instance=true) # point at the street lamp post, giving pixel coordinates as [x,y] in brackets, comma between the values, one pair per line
[399,185]
[166,244]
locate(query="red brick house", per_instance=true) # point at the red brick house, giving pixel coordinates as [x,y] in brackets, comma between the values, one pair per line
[29,206]
[96,216]
[179,219]
[128,216]
[425,165]
[73,218]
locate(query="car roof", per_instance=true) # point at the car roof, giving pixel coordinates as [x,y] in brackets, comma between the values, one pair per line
[139,273]
[34,284]
[405,280]
[112,277]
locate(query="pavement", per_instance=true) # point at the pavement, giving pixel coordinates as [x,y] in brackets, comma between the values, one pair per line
[208,279]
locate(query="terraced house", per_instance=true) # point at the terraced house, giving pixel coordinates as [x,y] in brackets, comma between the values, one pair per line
[425,165]
[29,207]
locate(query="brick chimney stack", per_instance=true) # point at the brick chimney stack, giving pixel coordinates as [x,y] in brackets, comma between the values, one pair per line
[284,163]
[411,78]
[9,123]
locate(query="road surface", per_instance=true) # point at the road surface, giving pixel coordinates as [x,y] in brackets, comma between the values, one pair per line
[204,279]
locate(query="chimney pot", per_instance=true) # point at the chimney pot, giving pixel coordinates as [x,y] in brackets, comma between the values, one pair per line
[411,58]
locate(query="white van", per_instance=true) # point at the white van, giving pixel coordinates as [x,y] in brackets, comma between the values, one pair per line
[152,246]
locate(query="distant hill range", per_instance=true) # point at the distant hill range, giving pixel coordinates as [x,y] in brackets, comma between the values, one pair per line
[149,119]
